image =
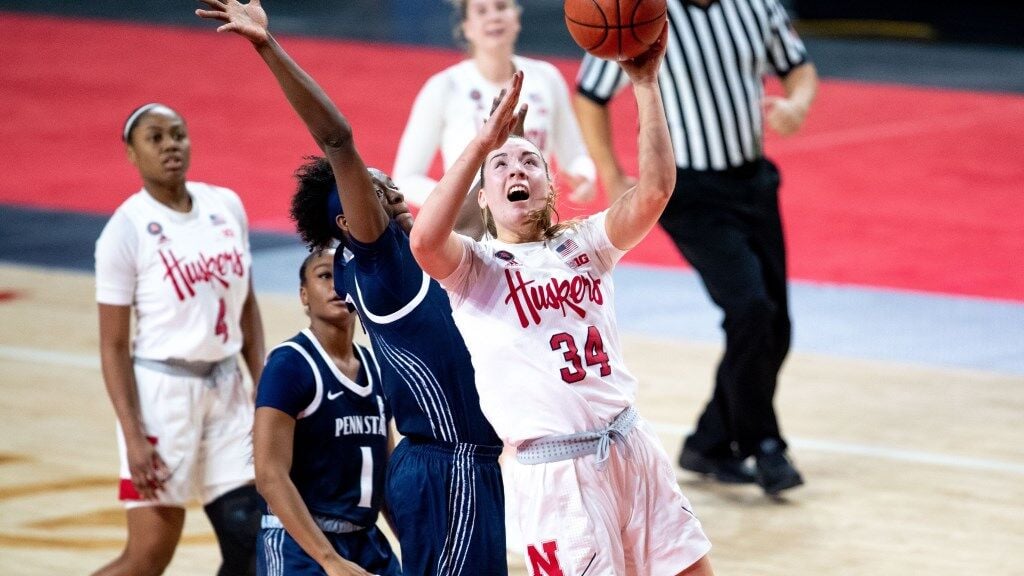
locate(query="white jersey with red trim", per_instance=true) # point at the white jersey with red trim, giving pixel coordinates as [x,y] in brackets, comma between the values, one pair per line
[454,103]
[539,321]
[187,275]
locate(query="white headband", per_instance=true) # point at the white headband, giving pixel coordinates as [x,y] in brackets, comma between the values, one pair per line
[130,123]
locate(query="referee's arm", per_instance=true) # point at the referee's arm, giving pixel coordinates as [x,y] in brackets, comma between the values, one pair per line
[597,83]
[787,115]
[788,56]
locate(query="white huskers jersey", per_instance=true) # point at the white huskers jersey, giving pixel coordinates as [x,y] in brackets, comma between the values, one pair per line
[454,103]
[539,321]
[187,275]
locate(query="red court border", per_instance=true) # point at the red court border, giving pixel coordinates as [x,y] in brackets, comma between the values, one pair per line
[889,186]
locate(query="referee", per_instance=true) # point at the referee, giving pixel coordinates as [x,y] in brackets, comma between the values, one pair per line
[724,213]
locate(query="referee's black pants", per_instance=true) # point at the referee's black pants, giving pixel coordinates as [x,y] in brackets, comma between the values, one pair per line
[727,225]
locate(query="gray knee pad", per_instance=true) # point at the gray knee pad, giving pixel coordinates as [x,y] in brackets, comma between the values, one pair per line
[235,517]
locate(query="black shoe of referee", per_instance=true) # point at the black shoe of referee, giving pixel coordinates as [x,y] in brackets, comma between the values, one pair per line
[775,472]
[727,470]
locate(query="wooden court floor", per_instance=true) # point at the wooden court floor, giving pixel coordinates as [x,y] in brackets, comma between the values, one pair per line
[910,470]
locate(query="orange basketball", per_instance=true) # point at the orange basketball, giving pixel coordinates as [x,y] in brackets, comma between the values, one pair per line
[615,29]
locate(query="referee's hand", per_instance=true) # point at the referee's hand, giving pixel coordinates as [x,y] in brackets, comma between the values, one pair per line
[783,115]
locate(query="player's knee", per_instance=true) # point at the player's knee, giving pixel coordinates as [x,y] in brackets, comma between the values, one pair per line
[147,553]
[235,517]
[153,566]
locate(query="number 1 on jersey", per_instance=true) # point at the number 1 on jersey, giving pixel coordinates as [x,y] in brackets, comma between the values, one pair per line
[366,478]
[593,355]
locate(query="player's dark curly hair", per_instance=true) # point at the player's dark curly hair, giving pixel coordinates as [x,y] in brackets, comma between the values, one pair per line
[309,208]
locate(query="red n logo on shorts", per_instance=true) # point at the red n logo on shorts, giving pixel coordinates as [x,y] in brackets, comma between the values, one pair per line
[546,564]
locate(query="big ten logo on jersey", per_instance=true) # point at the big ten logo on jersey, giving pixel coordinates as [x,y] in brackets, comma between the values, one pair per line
[544,562]
[569,252]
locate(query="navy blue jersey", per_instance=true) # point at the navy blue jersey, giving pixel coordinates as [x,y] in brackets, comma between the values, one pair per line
[340,448]
[427,374]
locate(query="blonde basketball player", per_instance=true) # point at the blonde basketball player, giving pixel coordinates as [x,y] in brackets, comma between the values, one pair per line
[595,491]
[454,103]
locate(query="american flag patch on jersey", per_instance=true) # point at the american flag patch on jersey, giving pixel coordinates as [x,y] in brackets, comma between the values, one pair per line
[567,247]
[217,220]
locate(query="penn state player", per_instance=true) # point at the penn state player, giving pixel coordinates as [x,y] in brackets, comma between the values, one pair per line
[595,493]
[444,488]
[320,443]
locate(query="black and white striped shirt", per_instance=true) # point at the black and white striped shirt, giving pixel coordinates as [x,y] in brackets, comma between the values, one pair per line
[711,79]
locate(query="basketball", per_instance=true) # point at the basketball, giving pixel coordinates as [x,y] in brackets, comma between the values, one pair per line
[615,29]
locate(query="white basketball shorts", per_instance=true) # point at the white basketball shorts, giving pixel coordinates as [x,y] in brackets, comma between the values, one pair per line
[630,518]
[202,432]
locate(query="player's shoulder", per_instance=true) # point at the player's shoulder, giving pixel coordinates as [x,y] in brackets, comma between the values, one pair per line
[134,203]
[216,198]
[211,190]
[138,209]
[123,225]
[584,224]
[301,339]
[450,76]
[294,355]
[581,230]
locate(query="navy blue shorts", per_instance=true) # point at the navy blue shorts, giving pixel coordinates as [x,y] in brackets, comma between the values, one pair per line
[278,554]
[448,508]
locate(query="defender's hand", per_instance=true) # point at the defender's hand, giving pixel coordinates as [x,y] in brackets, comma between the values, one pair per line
[247,20]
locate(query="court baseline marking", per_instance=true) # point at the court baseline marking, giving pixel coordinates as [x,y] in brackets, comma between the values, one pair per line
[36,355]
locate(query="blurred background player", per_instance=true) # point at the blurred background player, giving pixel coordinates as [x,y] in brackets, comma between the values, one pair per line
[321,441]
[444,489]
[724,214]
[177,252]
[595,492]
[454,103]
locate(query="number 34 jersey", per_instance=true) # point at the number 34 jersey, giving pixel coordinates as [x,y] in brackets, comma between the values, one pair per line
[539,321]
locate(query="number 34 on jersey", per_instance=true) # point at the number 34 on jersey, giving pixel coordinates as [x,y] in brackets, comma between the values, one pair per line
[579,360]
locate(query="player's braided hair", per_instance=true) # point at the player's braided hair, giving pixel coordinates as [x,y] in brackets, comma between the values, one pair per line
[309,204]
